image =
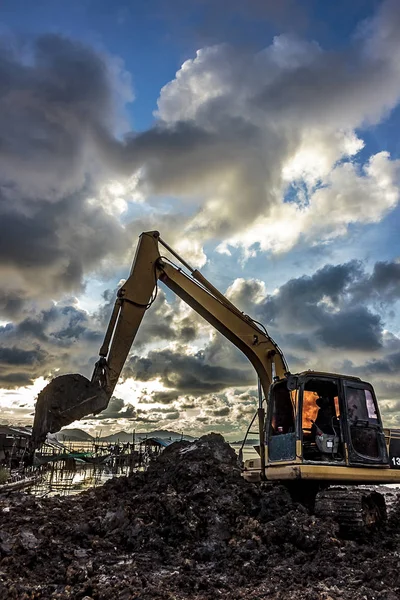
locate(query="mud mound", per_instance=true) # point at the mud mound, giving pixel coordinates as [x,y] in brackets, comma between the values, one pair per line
[188,528]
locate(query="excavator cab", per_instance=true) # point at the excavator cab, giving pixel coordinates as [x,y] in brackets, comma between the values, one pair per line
[326,428]
[315,418]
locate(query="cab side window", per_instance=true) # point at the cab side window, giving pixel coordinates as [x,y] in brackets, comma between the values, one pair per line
[281,439]
[282,418]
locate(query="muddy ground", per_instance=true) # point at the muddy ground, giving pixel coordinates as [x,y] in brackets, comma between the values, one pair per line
[188,528]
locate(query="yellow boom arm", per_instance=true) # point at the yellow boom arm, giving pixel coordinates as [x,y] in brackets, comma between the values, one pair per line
[135,297]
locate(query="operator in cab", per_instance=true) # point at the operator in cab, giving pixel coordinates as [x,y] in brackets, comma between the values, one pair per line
[325,417]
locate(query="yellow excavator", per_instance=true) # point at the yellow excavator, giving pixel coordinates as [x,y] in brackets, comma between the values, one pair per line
[321,430]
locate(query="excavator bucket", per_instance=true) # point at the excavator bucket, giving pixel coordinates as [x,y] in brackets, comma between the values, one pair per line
[65,399]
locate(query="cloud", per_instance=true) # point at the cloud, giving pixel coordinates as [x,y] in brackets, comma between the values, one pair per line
[390,365]
[117,409]
[222,412]
[383,285]
[306,301]
[234,129]
[168,320]
[352,329]
[347,195]
[274,132]
[17,357]
[331,309]
[172,416]
[164,397]
[244,293]
[63,338]
[186,374]
[59,339]
[55,94]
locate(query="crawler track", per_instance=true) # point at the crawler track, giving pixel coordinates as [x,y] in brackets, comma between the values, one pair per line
[355,509]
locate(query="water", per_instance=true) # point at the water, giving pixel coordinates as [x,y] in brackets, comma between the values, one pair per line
[58,480]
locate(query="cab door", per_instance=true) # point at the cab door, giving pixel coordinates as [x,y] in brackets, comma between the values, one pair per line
[280,424]
[365,437]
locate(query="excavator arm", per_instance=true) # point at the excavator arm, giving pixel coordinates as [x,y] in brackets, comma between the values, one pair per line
[134,298]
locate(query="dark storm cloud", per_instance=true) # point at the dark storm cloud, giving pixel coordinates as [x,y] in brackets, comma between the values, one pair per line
[17,357]
[328,308]
[19,366]
[49,102]
[54,94]
[59,339]
[298,299]
[389,365]
[298,341]
[353,329]
[11,303]
[117,409]
[187,374]
[221,412]
[52,248]
[382,286]
[172,416]
[164,397]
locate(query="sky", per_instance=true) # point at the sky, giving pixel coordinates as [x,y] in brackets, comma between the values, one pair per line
[260,138]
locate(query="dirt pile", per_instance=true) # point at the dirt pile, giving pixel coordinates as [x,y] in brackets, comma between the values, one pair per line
[189,527]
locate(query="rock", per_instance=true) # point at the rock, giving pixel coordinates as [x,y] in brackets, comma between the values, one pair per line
[6,542]
[28,540]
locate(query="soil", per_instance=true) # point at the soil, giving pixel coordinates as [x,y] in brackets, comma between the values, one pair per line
[189,528]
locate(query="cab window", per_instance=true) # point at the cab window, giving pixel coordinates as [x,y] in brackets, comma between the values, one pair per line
[282,417]
[281,438]
[360,405]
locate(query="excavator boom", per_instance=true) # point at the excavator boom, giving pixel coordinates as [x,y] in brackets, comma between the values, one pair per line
[57,405]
